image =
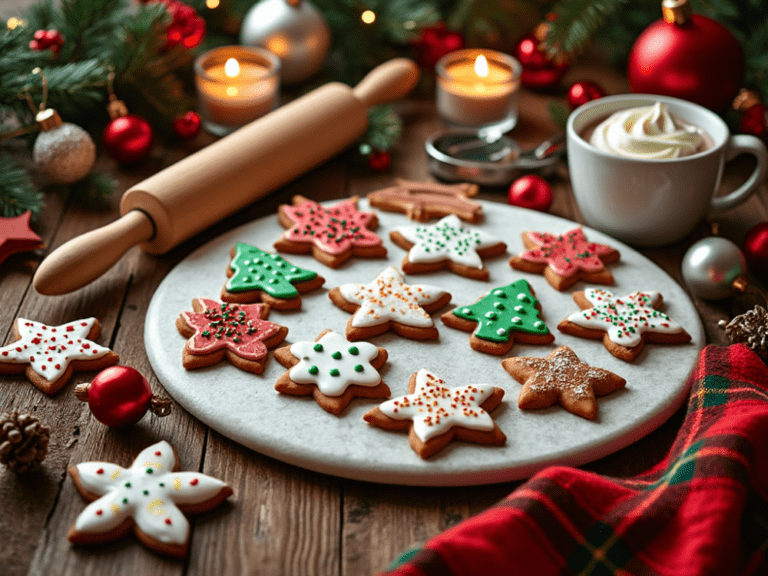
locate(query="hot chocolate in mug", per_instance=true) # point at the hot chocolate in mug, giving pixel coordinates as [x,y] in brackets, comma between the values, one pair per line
[655,167]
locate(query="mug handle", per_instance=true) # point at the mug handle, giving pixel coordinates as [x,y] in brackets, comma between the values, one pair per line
[739,144]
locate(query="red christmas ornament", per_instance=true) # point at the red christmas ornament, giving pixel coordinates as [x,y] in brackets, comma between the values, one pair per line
[436,42]
[187,28]
[582,92]
[687,56]
[755,248]
[539,69]
[379,160]
[47,40]
[128,138]
[187,126]
[532,192]
[120,396]
[755,121]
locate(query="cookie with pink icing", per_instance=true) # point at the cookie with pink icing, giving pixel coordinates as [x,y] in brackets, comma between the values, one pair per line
[150,498]
[332,234]
[435,413]
[388,303]
[49,355]
[332,370]
[564,259]
[449,244]
[238,332]
[625,323]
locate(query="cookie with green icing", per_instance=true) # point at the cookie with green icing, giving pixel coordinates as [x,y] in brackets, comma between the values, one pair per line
[259,276]
[505,315]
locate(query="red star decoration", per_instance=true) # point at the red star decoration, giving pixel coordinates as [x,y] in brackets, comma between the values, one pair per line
[17,236]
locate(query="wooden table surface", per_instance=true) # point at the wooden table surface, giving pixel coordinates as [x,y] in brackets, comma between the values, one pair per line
[282,520]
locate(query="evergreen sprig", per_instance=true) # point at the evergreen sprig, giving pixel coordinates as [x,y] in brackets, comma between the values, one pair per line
[577,21]
[17,193]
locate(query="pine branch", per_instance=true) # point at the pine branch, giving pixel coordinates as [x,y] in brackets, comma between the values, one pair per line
[17,193]
[384,128]
[577,21]
[94,191]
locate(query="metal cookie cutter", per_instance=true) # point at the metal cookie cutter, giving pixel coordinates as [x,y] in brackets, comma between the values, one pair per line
[490,159]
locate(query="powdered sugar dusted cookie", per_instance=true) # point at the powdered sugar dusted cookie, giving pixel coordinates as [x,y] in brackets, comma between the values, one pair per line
[447,244]
[238,332]
[435,413]
[561,378]
[259,276]
[505,315]
[624,323]
[149,498]
[422,201]
[332,370]
[388,303]
[566,258]
[333,235]
[51,354]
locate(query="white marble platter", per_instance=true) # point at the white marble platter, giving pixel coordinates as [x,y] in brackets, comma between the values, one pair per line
[246,408]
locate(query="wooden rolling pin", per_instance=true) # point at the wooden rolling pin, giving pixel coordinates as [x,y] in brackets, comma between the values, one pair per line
[203,188]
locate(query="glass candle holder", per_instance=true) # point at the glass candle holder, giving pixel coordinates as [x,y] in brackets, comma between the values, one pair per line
[477,89]
[236,85]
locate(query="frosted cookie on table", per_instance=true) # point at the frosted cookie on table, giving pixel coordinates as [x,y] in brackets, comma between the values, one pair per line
[388,303]
[565,259]
[435,413]
[505,315]
[332,370]
[333,234]
[150,498]
[422,201]
[447,244]
[561,378]
[259,276]
[49,355]
[238,332]
[624,324]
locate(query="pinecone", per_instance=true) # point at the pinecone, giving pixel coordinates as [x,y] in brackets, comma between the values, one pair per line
[750,328]
[23,442]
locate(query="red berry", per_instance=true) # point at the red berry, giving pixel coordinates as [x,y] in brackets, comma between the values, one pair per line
[379,161]
[39,35]
[52,37]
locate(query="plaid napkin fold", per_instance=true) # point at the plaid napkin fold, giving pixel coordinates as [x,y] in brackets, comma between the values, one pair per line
[703,510]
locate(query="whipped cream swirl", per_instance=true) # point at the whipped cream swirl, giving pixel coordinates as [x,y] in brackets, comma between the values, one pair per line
[647,133]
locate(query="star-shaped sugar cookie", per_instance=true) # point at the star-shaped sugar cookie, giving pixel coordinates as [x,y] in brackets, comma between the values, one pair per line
[565,259]
[561,378]
[332,370]
[239,332]
[389,303]
[450,244]
[149,498]
[435,413]
[623,323]
[50,354]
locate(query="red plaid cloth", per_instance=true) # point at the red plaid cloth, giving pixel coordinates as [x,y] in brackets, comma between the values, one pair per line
[703,510]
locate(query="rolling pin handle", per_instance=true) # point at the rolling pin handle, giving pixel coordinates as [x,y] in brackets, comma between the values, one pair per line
[387,82]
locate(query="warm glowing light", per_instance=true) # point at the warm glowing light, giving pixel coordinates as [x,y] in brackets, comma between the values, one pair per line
[369,16]
[212,4]
[231,90]
[232,68]
[14,23]
[481,66]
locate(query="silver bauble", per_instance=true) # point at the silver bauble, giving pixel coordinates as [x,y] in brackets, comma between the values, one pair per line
[712,266]
[294,31]
[65,154]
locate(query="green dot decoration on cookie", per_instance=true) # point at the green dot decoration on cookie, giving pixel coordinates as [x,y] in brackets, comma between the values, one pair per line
[359,368]
[336,355]
[497,322]
[354,350]
[313,370]
[255,269]
[317,347]
[334,372]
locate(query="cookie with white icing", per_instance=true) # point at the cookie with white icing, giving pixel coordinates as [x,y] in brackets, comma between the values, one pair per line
[624,324]
[49,355]
[447,244]
[435,413]
[388,303]
[332,370]
[150,498]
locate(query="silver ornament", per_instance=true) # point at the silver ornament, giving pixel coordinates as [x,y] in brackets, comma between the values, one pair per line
[294,31]
[713,268]
[65,154]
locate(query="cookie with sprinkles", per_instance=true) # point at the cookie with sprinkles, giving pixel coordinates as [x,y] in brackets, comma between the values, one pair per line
[435,413]
[333,234]
[49,355]
[505,315]
[150,498]
[564,259]
[238,332]
[259,276]
[388,303]
[561,378]
[332,370]
[624,324]
[447,244]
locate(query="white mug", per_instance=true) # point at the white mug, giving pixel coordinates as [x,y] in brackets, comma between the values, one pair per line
[655,202]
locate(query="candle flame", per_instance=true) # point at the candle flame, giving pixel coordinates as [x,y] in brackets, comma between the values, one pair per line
[232,68]
[481,66]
